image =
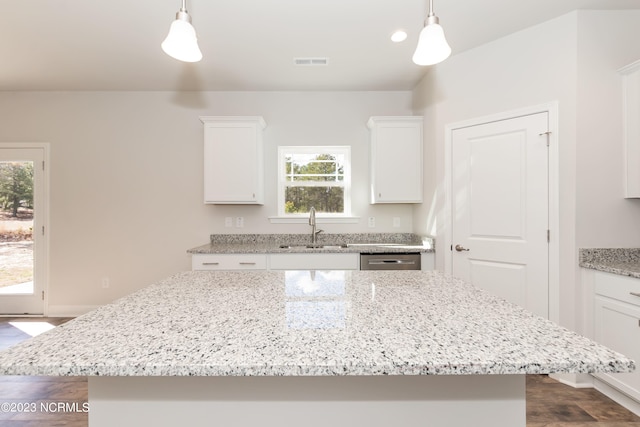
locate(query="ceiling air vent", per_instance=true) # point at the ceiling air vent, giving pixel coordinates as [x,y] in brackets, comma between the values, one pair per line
[311,62]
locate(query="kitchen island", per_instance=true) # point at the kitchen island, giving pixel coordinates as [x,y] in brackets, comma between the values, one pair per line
[309,348]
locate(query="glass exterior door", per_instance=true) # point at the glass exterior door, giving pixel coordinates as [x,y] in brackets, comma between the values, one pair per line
[22,239]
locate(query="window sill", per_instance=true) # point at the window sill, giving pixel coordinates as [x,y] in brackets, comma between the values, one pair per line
[319,219]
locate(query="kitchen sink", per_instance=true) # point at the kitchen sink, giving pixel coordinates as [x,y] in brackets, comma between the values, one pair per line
[316,246]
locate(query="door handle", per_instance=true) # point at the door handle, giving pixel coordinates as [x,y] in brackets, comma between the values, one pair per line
[460,248]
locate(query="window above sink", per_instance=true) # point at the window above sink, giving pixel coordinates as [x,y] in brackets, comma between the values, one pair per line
[318,176]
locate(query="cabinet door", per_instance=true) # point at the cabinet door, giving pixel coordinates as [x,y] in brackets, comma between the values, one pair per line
[428,261]
[233,160]
[631,112]
[617,326]
[396,160]
[350,261]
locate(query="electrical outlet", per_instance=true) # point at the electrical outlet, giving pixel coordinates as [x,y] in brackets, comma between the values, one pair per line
[372,221]
[396,221]
[105,282]
[239,222]
[228,221]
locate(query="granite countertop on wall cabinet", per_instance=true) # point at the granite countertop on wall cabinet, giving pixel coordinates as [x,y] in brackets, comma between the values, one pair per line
[302,323]
[622,261]
[334,243]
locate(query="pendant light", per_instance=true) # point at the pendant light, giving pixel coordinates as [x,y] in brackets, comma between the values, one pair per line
[181,42]
[432,45]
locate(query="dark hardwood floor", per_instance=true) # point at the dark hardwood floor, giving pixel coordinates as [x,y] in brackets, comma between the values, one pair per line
[55,399]
[553,404]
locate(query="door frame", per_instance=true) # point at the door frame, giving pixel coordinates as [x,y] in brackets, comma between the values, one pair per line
[554,215]
[41,266]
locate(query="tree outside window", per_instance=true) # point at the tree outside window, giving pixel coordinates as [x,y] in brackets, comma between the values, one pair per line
[16,186]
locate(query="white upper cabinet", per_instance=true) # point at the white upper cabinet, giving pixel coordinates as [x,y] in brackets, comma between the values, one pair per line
[631,119]
[396,159]
[233,160]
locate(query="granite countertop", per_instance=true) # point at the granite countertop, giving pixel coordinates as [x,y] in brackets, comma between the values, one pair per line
[622,261]
[333,243]
[302,323]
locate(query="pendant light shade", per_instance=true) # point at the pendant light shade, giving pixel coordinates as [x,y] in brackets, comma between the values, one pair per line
[181,42]
[432,44]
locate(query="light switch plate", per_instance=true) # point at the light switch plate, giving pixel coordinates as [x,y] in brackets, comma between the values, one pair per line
[372,221]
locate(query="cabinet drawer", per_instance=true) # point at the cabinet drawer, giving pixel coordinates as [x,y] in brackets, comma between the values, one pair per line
[622,288]
[229,262]
[349,261]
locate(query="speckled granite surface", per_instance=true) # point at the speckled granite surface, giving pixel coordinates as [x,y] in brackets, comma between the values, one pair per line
[308,324]
[354,242]
[623,261]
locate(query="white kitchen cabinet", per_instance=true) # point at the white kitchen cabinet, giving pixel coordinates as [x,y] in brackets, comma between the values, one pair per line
[631,121]
[324,261]
[233,160]
[428,261]
[229,262]
[396,159]
[617,325]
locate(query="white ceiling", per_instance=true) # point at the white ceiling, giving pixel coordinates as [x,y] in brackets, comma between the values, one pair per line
[247,44]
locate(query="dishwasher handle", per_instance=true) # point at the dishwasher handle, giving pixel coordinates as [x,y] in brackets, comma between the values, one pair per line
[390,261]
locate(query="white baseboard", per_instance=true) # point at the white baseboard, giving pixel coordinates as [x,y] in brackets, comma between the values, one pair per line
[69,310]
[574,380]
[617,396]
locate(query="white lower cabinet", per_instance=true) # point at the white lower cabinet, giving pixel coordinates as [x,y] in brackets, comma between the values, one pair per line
[229,262]
[287,261]
[428,261]
[350,261]
[617,325]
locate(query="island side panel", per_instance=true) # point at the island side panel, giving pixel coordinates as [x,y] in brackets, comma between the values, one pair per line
[374,401]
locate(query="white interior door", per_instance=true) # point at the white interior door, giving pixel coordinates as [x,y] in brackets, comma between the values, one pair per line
[500,208]
[22,240]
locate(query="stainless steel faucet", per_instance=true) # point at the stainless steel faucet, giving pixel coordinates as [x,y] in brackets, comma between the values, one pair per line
[312,223]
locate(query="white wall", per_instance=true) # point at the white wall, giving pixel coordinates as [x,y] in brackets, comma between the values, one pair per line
[317,118]
[528,68]
[607,41]
[126,176]
[570,60]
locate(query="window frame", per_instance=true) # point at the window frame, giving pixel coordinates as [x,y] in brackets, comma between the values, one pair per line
[343,150]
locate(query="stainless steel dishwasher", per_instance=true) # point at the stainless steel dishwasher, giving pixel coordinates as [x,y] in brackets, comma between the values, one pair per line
[390,261]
